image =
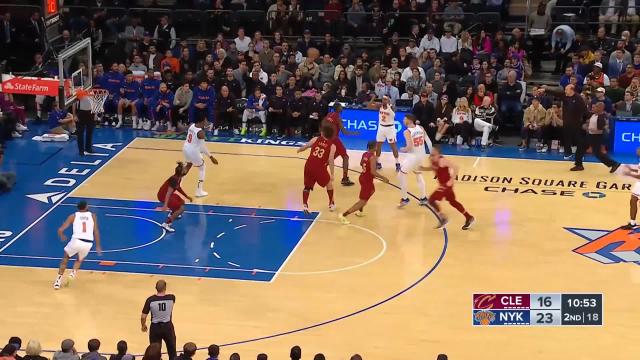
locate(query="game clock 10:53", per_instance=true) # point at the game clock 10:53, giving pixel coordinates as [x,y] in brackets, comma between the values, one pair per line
[581,309]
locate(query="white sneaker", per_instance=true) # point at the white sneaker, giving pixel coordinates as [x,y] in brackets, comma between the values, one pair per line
[57,284]
[15,134]
[215,132]
[134,124]
[359,214]
[343,220]
[141,124]
[305,209]
[119,124]
[332,207]
[21,127]
[168,227]
[155,126]
[201,193]
[113,123]
[147,125]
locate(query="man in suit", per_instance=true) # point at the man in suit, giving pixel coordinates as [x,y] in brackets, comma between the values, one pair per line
[33,33]
[617,65]
[628,107]
[7,36]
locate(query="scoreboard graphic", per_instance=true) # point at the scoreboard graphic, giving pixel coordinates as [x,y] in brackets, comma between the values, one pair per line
[537,310]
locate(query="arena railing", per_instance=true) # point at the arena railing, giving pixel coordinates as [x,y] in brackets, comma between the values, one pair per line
[593,13]
[276,19]
[150,16]
[214,22]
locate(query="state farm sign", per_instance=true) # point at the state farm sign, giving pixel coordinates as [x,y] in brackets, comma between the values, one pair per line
[30,86]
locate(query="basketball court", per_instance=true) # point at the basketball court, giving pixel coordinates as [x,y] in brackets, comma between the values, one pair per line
[253,273]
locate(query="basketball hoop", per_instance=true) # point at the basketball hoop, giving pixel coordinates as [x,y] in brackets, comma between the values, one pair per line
[97,98]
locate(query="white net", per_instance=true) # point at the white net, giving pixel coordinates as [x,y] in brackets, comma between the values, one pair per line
[97,98]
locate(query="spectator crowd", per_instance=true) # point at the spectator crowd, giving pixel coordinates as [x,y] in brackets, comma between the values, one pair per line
[464,87]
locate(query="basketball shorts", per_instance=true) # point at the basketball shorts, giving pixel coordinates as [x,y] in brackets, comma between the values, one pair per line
[316,175]
[386,133]
[443,193]
[79,247]
[193,155]
[366,189]
[412,162]
[635,190]
[341,150]
[175,201]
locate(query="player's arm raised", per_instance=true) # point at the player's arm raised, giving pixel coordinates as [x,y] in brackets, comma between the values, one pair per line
[96,235]
[204,150]
[64,227]
[373,161]
[307,145]
[408,141]
[332,155]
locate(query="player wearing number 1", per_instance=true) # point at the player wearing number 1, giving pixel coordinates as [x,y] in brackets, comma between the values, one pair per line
[85,232]
[322,153]
[193,148]
[369,172]
[415,138]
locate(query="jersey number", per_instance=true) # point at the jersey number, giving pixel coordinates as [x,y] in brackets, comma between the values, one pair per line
[318,152]
[418,141]
[84,226]
[189,137]
[162,307]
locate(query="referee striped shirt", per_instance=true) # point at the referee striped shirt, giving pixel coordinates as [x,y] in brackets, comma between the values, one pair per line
[161,308]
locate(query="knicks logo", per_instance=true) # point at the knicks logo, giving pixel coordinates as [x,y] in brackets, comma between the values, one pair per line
[484,301]
[609,247]
[484,317]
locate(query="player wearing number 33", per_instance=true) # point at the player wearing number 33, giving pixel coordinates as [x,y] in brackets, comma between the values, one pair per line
[85,232]
[322,153]
[193,148]
[415,138]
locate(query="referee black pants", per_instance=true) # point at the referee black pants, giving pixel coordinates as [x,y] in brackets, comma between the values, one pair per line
[595,142]
[85,126]
[159,332]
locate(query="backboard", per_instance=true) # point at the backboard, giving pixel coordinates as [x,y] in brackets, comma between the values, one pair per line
[75,68]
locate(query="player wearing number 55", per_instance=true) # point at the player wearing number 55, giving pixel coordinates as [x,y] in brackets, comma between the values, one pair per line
[85,232]
[160,306]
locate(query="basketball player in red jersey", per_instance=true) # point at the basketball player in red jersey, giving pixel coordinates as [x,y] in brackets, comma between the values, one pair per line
[369,172]
[170,200]
[323,152]
[446,172]
[336,121]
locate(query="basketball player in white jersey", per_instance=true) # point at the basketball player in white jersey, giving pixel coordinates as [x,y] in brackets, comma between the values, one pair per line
[193,148]
[85,232]
[386,131]
[415,137]
[632,172]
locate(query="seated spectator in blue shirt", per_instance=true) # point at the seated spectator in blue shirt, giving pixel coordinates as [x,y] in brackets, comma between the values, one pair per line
[566,78]
[60,121]
[129,97]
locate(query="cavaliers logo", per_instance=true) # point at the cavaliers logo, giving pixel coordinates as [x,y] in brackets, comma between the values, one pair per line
[484,317]
[484,301]
[609,246]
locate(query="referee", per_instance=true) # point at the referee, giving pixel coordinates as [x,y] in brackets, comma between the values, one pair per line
[161,307]
[86,124]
